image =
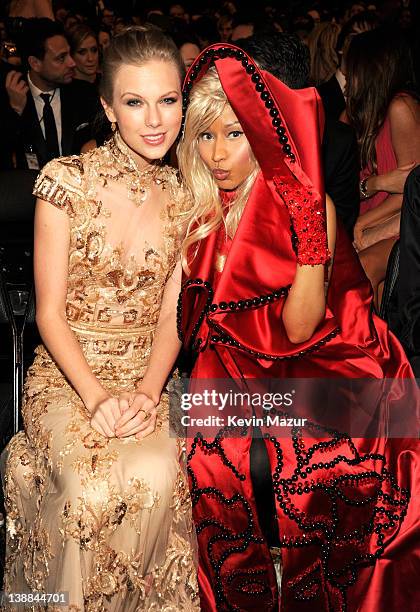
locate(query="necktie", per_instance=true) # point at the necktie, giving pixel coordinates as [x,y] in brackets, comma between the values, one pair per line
[51,137]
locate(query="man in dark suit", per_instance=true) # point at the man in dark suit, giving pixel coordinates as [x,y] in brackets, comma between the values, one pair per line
[287,58]
[50,115]
[403,307]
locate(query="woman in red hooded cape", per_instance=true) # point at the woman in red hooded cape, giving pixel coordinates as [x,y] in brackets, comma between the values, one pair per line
[344,507]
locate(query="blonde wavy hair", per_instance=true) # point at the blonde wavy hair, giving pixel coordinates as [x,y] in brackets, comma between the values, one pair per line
[207,102]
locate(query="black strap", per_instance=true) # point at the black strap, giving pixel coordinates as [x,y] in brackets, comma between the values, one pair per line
[51,137]
[262,485]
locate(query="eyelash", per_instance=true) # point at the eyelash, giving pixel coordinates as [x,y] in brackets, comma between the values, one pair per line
[137,102]
[84,51]
[204,134]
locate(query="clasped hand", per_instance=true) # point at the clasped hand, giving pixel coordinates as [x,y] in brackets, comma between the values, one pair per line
[130,414]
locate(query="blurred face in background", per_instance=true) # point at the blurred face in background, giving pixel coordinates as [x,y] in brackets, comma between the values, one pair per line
[356,8]
[177,11]
[229,7]
[70,21]
[86,58]
[189,51]
[315,15]
[224,27]
[108,18]
[104,39]
[119,25]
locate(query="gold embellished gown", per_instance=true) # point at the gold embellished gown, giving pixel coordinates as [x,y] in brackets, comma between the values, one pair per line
[106,520]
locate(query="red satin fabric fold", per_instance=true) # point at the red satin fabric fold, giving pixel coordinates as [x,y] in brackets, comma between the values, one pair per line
[236,572]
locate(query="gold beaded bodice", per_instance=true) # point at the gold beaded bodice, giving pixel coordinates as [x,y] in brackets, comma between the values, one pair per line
[126,229]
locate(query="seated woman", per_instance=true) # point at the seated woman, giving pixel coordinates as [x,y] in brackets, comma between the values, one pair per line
[386,118]
[313,518]
[84,48]
[95,491]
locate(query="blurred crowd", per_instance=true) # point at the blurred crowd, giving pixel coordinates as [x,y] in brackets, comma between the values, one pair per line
[361,56]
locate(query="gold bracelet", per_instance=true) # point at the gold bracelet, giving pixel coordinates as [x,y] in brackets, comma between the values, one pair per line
[362,187]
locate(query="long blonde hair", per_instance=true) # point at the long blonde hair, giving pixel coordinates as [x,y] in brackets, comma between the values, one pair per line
[207,102]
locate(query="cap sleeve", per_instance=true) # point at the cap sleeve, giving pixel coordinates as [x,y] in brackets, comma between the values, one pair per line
[60,182]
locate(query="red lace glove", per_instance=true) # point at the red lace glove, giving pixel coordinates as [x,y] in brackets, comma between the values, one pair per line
[307,215]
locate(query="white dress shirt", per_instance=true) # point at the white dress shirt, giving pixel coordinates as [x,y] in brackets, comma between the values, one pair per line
[55,102]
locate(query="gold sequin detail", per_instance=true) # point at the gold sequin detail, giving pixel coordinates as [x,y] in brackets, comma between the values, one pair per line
[111,518]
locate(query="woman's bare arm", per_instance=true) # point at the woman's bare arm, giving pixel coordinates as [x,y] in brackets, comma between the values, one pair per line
[404,117]
[51,253]
[304,308]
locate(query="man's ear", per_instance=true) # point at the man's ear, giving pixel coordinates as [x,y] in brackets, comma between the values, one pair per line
[34,63]
[108,111]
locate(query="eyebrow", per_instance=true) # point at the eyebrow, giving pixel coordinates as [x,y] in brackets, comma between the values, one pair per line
[132,93]
[232,123]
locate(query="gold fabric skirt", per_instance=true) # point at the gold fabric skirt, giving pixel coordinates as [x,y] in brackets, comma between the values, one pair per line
[107,521]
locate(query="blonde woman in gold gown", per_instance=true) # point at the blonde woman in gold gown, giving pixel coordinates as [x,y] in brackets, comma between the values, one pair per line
[96,494]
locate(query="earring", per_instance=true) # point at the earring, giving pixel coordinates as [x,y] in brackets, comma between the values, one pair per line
[113,126]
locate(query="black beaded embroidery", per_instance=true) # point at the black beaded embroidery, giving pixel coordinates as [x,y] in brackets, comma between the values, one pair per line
[235,542]
[327,534]
[251,302]
[324,533]
[222,337]
[212,55]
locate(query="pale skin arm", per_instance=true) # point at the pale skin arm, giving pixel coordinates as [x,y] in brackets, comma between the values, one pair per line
[52,240]
[165,349]
[308,288]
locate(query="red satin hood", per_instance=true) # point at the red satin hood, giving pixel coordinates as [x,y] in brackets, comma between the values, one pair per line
[300,112]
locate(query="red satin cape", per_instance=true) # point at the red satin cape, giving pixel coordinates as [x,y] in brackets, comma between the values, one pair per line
[336,555]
